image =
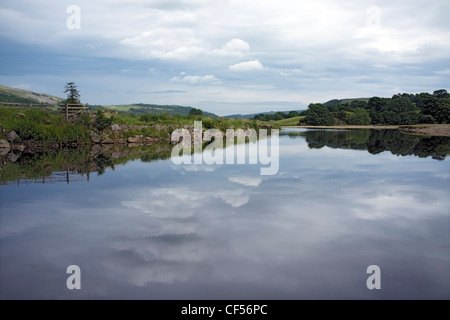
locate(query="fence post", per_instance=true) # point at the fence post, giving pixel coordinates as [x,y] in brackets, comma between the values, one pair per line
[67,111]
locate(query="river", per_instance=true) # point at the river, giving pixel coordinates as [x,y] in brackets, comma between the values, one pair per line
[147,228]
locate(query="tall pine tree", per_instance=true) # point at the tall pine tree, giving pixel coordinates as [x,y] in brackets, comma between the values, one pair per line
[73,95]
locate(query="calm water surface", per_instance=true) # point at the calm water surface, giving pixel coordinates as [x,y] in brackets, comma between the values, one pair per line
[340,202]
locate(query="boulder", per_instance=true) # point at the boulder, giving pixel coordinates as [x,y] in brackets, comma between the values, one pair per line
[149,140]
[115,127]
[4,144]
[13,157]
[134,139]
[134,145]
[107,140]
[95,138]
[95,150]
[12,136]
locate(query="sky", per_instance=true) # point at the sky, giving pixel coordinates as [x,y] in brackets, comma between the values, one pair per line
[225,56]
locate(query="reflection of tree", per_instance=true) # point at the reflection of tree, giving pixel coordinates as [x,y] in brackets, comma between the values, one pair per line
[377,141]
[392,140]
[352,139]
[43,167]
[437,147]
[102,163]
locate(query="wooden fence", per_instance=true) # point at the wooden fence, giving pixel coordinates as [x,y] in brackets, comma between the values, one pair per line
[67,109]
[67,176]
[73,109]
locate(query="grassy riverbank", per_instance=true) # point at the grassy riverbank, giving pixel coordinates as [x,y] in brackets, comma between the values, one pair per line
[43,126]
[48,128]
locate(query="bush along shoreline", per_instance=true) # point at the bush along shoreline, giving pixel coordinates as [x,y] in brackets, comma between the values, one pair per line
[34,130]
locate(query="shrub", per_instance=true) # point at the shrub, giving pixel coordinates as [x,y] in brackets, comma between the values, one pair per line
[101,122]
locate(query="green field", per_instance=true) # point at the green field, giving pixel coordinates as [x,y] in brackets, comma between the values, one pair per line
[289,121]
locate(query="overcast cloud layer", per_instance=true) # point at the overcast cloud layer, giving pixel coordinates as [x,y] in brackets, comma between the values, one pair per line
[226,56]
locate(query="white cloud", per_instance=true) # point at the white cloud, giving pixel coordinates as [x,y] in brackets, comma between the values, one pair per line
[181,202]
[247,66]
[181,44]
[194,80]
[398,202]
[235,47]
[246,181]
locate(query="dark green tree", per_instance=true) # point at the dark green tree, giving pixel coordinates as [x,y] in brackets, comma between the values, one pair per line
[441,93]
[101,122]
[359,117]
[319,115]
[400,105]
[443,111]
[195,112]
[292,114]
[73,95]
[359,104]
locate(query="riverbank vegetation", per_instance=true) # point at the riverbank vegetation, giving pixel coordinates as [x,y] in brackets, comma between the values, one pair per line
[401,109]
[51,128]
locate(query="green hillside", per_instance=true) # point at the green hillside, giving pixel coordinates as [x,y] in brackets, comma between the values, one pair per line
[14,95]
[9,94]
[141,108]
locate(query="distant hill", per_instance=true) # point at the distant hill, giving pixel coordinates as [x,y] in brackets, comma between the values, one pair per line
[14,95]
[328,103]
[9,94]
[250,116]
[141,108]
[336,101]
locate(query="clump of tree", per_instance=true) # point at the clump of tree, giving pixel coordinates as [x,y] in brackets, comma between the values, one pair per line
[276,116]
[319,115]
[195,112]
[401,109]
[73,95]
[359,116]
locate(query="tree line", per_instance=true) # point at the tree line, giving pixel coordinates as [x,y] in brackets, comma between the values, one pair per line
[276,116]
[400,109]
[377,141]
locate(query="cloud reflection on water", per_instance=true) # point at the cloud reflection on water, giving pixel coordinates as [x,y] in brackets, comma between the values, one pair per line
[308,232]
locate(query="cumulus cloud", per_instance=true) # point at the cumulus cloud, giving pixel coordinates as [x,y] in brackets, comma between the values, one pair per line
[247,66]
[194,80]
[181,202]
[398,202]
[235,47]
[181,44]
[166,43]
